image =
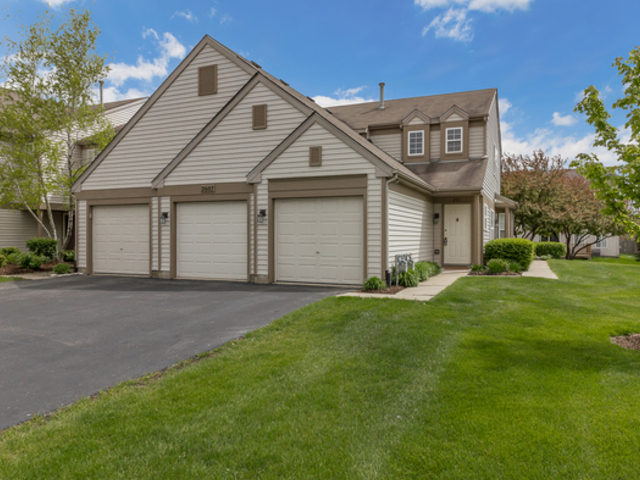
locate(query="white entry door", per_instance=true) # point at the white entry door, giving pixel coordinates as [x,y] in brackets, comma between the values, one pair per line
[457,234]
[319,240]
[121,239]
[212,240]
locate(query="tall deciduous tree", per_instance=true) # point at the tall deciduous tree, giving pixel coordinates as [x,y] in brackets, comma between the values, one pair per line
[535,183]
[46,108]
[618,186]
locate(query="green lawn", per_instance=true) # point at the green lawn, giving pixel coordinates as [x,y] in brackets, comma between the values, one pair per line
[496,378]
[9,279]
[623,260]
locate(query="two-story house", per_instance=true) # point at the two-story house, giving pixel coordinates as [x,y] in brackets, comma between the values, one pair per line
[228,173]
[18,225]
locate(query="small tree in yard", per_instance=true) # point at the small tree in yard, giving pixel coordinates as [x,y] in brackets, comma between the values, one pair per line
[618,186]
[579,215]
[535,182]
[46,107]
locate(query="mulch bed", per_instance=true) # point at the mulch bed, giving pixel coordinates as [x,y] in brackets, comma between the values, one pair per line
[17,270]
[630,342]
[387,291]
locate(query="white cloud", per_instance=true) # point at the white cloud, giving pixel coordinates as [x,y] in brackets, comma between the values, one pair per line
[504,106]
[480,5]
[186,15]
[56,3]
[455,23]
[342,97]
[452,24]
[566,121]
[144,69]
[212,12]
[225,19]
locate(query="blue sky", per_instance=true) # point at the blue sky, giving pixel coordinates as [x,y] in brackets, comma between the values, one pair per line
[540,54]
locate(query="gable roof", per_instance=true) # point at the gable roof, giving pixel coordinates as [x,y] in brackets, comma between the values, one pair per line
[206,40]
[475,103]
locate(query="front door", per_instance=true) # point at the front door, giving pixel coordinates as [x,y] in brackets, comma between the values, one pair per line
[457,234]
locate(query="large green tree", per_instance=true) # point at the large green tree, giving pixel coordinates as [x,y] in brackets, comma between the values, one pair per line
[46,107]
[618,186]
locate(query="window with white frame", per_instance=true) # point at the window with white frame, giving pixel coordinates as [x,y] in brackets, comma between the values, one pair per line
[602,243]
[492,222]
[416,142]
[502,221]
[454,140]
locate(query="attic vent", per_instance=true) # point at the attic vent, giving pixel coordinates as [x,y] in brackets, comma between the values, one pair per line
[259,117]
[315,156]
[208,80]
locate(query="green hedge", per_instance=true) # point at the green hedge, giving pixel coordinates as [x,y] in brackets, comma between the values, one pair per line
[5,252]
[43,247]
[374,283]
[551,249]
[511,249]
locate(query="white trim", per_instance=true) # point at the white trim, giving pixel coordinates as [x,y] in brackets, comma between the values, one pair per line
[409,144]
[446,139]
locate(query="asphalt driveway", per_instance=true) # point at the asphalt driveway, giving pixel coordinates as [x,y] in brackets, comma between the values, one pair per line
[65,338]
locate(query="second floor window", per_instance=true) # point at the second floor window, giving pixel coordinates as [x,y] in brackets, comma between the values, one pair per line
[416,143]
[454,140]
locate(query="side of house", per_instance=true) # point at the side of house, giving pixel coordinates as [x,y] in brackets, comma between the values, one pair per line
[18,225]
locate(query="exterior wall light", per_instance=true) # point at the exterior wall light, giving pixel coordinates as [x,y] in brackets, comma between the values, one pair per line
[436,218]
[261,215]
[163,218]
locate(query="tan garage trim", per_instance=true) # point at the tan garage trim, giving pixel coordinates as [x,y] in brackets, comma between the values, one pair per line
[116,193]
[199,198]
[343,186]
[113,202]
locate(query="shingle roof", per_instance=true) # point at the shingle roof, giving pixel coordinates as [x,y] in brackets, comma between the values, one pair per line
[111,105]
[452,176]
[359,116]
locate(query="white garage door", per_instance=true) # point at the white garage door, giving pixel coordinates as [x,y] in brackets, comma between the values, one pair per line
[320,240]
[212,240]
[121,239]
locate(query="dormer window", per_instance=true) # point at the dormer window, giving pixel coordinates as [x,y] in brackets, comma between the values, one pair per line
[454,140]
[416,142]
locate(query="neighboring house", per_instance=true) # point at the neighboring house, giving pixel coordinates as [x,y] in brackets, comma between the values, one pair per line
[17,226]
[229,173]
[605,247]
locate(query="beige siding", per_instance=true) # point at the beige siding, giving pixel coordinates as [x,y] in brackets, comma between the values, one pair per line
[454,118]
[437,234]
[252,208]
[416,121]
[233,148]
[392,144]
[120,116]
[337,159]
[476,141]
[81,241]
[165,236]
[177,116]
[16,227]
[155,225]
[488,230]
[494,152]
[410,227]
[435,144]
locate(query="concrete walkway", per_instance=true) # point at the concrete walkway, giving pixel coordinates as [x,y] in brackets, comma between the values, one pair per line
[540,269]
[423,292]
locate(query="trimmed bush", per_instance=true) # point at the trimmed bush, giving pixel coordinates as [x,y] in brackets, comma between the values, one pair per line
[514,267]
[551,249]
[44,247]
[422,271]
[3,261]
[478,268]
[9,250]
[63,268]
[497,265]
[29,260]
[69,255]
[512,250]
[13,258]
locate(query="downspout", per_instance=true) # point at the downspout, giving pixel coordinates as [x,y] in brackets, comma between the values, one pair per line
[394,179]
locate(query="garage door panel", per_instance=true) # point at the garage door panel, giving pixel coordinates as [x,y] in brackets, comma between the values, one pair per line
[212,240]
[320,240]
[121,239]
